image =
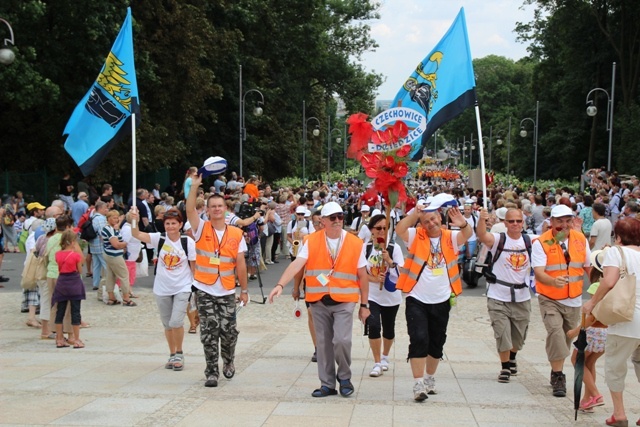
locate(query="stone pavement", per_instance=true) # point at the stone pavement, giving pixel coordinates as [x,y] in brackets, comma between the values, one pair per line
[119,378]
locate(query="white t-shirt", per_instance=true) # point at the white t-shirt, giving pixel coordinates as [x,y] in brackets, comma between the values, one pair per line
[333,243]
[539,259]
[383,297]
[301,227]
[358,222]
[173,274]
[473,222]
[511,267]
[364,234]
[133,245]
[632,258]
[433,288]
[499,227]
[217,290]
[601,230]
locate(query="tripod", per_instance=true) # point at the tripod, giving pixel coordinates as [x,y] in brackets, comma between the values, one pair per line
[255,257]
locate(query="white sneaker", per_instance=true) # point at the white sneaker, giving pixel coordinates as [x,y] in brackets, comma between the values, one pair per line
[419,391]
[376,371]
[384,364]
[430,384]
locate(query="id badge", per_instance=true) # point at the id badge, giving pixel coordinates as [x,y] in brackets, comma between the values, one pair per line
[323,279]
[167,248]
[437,271]
[214,260]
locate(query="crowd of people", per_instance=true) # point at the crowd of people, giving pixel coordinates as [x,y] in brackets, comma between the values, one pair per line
[344,254]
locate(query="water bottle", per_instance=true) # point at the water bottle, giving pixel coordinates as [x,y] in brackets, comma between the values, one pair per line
[193,306]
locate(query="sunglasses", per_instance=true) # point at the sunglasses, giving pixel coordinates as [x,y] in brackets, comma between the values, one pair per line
[512,221]
[300,214]
[171,215]
[338,216]
[567,257]
[379,228]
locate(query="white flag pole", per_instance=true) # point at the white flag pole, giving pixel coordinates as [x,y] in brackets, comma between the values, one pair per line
[133,162]
[480,146]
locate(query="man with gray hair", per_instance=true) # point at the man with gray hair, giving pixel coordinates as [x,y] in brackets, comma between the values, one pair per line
[79,207]
[630,209]
[98,222]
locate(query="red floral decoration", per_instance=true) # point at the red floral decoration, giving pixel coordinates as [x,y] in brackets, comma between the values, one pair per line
[387,169]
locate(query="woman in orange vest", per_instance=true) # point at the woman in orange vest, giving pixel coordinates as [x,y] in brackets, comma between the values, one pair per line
[431,280]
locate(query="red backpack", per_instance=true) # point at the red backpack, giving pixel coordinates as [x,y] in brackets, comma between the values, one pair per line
[85,217]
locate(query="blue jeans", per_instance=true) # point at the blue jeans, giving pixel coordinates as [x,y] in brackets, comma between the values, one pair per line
[99,267]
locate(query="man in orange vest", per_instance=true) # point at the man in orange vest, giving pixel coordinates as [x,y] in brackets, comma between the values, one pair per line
[336,279]
[560,258]
[219,260]
[431,280]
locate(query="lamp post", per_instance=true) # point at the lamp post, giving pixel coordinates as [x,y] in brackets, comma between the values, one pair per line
[257,111]
[592,110]
[338,140]
[344,158]
[316,132]
[6,53]
[523,133]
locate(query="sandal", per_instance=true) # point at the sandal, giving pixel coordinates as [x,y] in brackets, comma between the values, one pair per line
[33,324]
[504,376]
[113,302]
[51,336]
[616,423]
[324,391]
[346,388]
[62,344]
[78,344]
[129,303]
[131,295]
[178,362]
[192,329]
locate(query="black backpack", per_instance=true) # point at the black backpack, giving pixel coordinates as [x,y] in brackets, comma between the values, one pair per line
[487,271]
[183,242]
[390,248]
[87,232]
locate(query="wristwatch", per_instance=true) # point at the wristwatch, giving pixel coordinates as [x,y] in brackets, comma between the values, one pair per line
[244,291]
[364,306]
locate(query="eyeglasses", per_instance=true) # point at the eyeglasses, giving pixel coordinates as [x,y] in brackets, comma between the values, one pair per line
[379,228]
[567,257]
[337,216]
[512,221]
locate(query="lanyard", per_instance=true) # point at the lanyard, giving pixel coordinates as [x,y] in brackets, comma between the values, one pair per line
[219,243]
[331,255]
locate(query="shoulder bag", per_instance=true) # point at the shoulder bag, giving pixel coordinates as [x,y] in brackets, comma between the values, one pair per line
[619,304]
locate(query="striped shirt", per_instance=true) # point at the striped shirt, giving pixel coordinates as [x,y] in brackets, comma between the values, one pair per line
[107,233]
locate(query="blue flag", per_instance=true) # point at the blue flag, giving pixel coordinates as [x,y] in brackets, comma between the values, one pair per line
[439,90]
[103,116]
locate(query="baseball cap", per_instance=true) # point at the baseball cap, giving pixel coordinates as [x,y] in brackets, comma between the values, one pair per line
[376,212]
[213,166]
[307,213]
[301,210]
[35,205]
[561,210]
[501,213]
[365,208]
[330,208]
[439,201]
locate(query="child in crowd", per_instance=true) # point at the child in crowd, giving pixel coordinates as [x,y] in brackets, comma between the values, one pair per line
[596,339]
[69,287]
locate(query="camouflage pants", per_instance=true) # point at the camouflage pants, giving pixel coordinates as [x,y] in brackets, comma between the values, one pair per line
[217,322]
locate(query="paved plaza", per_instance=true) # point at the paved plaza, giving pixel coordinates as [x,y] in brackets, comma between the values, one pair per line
[119,378]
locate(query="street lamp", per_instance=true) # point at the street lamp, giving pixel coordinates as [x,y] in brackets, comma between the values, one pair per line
[316,132]
[523,133]
[6,53]
[338,140]
[257,111]
[592,110]
[473,147]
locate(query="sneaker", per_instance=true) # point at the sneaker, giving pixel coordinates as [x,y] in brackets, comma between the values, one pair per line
[430,384]
[314,358]
[504,376]
[384,364]
[376,371]
[5,279]
[228,370]
[419,391]
[559,385]
[212,381]
[253,277]
[269,262]
[513,367]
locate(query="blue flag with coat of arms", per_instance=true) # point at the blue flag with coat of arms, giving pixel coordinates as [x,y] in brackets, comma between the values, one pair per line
[439,89]
[103,117]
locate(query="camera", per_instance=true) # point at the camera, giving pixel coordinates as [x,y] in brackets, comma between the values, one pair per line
[247,209]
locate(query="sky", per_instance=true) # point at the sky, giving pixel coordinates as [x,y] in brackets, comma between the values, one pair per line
[409,29]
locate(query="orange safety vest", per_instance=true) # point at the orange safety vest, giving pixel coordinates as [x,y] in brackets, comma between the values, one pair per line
[343,283]
[420,252]
[557,266]
[206,248]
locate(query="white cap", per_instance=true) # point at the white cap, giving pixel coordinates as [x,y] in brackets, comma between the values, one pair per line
[307,212]
[301,210]
[440,200]
[376,212]
[365,208]
[561,210]
[501,213]
[331,208]
[186,226]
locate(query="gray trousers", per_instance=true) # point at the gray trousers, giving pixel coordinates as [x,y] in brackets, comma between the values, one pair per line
[334,327]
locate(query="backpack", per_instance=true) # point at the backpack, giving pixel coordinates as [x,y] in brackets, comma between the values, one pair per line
[22,240]
[252,233]
[85,217]
[87,232]
[487,270]
[163,237]
[293,224]
[621,201]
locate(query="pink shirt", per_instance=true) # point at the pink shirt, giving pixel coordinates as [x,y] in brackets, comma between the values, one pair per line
[67,261]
